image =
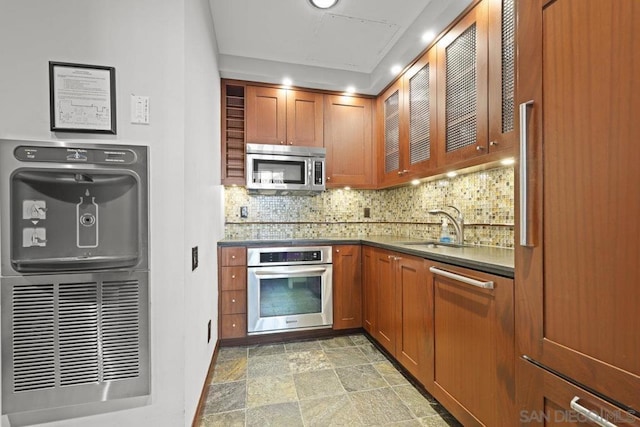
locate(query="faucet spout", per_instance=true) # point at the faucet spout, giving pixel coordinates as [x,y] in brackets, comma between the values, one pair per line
[458,223]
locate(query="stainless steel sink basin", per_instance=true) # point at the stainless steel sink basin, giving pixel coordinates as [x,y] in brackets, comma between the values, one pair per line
[430,244]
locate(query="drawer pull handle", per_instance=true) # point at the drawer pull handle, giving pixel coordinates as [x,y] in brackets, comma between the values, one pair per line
[233,257]
[463,279]
[233,300]
[590,415]
[233,325]
[233,276]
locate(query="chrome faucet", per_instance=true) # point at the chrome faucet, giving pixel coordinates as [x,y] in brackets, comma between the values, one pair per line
[458,223]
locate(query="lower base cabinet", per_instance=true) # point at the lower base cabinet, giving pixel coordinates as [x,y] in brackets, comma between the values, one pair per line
[397,307]
[474,345]
[347,287]
[552,401]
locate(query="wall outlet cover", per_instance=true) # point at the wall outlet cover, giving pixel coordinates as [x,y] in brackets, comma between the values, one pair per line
[244,212]
[367,212]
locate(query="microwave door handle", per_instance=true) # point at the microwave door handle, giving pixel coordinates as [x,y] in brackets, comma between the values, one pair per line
[290,271]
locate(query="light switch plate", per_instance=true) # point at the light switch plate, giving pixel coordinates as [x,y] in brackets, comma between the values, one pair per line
[139,109]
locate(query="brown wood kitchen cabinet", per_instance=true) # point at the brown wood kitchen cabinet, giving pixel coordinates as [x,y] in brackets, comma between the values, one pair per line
[577,231]
[396,289]
[473,341]
[463,87]
[348,131]
[347,287]
[369,289]
[408,124]
[233,292]
[232,132]
[284,116]
[502,75]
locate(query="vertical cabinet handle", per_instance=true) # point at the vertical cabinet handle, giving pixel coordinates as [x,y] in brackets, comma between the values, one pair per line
[590,415]
[524,208]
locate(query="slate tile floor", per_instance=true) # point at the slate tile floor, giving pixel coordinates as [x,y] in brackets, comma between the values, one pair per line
[342,381]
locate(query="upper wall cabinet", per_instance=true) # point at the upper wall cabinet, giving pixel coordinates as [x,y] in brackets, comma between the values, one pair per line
[348,140]
[463,87]
[389,106]
[233,133]
[408,123]
[502,74]
[420,103]
[282,116]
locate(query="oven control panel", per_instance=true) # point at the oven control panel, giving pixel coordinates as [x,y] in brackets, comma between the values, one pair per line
[289,255]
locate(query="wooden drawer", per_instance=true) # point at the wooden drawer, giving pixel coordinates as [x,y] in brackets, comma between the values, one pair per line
[234,279]
[233,302]
[233,325]
[233,256]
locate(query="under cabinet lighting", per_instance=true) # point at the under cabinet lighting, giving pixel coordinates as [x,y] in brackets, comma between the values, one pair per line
[347,188]
[415,182]
[396,69]
[507,162]
[323,4]
[287,81]
[452,174]
[351,89]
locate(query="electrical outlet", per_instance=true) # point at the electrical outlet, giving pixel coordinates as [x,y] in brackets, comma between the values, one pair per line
[209,331]
[244,212]
[194,258]
[367,212]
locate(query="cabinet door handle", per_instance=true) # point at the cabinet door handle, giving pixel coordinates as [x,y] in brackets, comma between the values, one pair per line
[524,209]
[233,276]
[492,143]
[233,300]
[337,251]
[463,279]
[479,148]
[233,257]
[590,415]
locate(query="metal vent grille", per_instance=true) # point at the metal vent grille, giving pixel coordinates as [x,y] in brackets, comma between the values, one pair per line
[419,116]
[34,362]
[120,330]
[392,133]
[461,91]
[508,64]
[78,333]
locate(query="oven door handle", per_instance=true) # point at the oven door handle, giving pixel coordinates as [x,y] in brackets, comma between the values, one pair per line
[290,271]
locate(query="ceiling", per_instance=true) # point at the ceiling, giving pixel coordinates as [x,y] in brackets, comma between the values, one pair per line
[354,43]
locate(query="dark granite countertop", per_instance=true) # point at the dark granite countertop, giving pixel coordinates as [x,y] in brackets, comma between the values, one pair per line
[488,259]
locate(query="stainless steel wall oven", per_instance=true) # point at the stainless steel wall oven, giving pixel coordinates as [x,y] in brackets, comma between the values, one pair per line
[289,288]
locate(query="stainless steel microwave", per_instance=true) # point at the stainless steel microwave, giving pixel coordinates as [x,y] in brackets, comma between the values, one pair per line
[285,169]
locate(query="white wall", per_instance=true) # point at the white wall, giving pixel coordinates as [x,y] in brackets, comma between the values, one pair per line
[157,53]
[203,210]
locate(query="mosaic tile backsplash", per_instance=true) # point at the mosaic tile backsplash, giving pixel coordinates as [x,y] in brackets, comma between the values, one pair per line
[485,199]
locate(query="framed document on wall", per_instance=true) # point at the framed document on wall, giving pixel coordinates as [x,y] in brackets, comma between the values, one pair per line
[82,98]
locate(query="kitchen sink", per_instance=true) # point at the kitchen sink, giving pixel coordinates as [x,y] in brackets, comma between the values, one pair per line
[431,244]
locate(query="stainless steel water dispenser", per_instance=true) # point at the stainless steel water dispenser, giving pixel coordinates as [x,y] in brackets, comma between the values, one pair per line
[74,273]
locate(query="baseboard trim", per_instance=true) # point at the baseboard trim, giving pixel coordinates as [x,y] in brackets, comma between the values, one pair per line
[203,393]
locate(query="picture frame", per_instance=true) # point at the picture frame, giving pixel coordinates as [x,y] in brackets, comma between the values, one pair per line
[82,98]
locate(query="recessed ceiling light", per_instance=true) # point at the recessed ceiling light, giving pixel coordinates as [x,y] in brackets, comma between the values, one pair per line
[508,161]
[451,174]
[428,36]
[396,69]
[287,81]
[351,89]
[323,4]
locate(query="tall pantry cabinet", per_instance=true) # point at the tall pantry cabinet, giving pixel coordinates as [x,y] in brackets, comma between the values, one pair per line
[578,240]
